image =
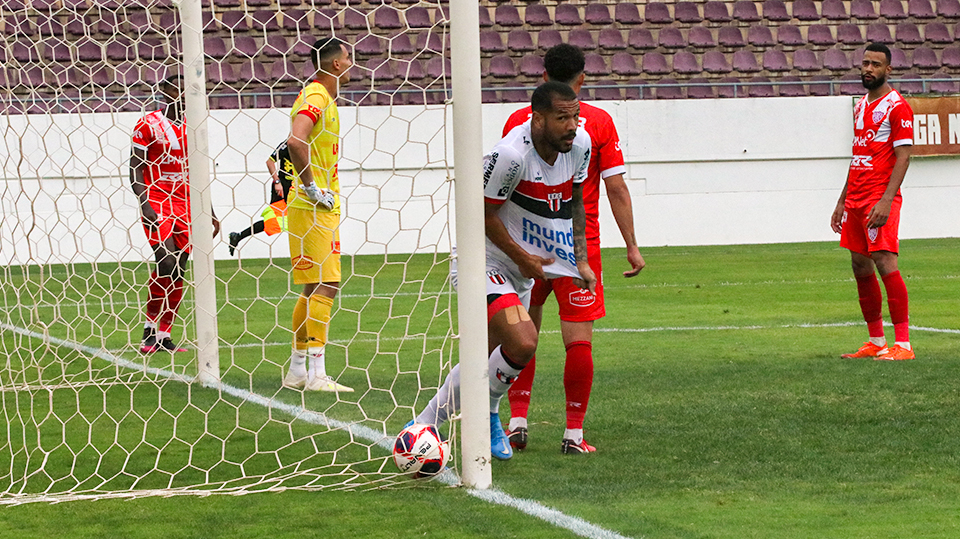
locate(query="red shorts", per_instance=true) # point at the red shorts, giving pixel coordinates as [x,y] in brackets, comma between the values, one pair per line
[576,304]
[173,221]
[855,236]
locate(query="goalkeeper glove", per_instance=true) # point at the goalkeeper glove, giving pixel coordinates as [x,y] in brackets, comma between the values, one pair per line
[319,196]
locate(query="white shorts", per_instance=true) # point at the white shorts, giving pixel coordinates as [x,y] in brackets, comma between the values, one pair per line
[502,278]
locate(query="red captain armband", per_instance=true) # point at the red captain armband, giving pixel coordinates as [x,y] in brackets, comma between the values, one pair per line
[311,112]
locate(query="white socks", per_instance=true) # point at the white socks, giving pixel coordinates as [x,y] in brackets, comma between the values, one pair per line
[517,423]
[878,341]
[573,434]
[298,363]
[502,376]
[445,403]
[904,345]
[318,362]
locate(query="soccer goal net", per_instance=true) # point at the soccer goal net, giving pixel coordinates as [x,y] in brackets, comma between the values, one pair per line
[86,413]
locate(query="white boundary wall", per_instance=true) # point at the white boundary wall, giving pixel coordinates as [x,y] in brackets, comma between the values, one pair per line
[700,172]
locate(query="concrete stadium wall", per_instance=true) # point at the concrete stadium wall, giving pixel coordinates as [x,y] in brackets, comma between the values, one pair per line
[699,171]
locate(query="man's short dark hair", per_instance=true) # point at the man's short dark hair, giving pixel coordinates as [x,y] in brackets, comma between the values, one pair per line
[564,63]
[326,50]
[879,47]
[175,80]
[543,96]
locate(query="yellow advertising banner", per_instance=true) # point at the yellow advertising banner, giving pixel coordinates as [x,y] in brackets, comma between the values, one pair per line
[936,125]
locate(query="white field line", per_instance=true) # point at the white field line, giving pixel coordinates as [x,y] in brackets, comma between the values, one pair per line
[530,507]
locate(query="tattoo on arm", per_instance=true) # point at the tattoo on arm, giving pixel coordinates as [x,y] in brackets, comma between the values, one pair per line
[579,224]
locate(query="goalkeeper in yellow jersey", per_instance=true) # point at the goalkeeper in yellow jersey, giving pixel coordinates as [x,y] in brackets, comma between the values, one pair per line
[313,214]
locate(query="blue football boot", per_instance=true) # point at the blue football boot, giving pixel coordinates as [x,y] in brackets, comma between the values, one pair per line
[499,443]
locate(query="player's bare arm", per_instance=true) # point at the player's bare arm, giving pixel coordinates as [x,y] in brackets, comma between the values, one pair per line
[622,207]
[836,218]
[272,167]
[881,210]
[579,218]
[299,147]
[138,160]
[531,266]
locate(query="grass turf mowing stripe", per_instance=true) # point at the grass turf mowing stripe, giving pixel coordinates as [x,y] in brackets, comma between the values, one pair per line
[530,507]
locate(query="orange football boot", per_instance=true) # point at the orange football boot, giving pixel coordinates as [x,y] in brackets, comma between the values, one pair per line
[896,353]
[867,350]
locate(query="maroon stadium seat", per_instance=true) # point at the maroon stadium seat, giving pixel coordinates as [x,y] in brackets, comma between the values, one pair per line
[89,50]
[597,14]
[18,26]
[531,65]
[937,32]
[863,9]
[387,17]
[502,67]
[418,17]
[892,9]
[235,20]
[126,73]
[717,12]
[760,36]
[775,10]
[170,21]
[326,20]
[761,87]
[850,84]
[57,51]
[485,20]
[685,63]
[537,15]
[835,60]
[595,65]
[715,62]
[671,38]
[850,34]
[949,9]
[611,39]
[820,35]
[699,88]
[520,41]
[24,51]
[400,44]
[353,19]
[48,25]
[654,63]
[730,88]
[745,11]
[369,45]
[945,87]
[671,90]
[908,34]
[507,15]
[567,15]
[730,36]
[625,64]
[609,91]
[775,60]
[641,38]
[491,41]
[637,89]
[431,41]
[547,39]
[276,45]
[245,46]
[909,83]
[791,90]
[150,48]
[820,85]
[579,37]
[879,33]
[264,20]
[806,60]
[925,58]
[805,10]
[628,13]
[253,70]
[745,61]
[413,71]
[834,10]
[75,24]
[701,37]
[898,59]
[257,3]
[920,9]
[687,12]
[657,13]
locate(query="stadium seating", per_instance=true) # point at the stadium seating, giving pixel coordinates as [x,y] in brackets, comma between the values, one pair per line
[759,41]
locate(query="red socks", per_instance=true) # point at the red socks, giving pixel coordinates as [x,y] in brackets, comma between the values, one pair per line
[871,303]
[164,302]
[897,303]
[519,393]
[578,381]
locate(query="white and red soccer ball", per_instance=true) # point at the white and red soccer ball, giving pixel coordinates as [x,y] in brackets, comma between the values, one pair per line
[419,450]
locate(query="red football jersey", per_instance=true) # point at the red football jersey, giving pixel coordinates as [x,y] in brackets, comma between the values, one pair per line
[606,159]
[166,145]
[878,128]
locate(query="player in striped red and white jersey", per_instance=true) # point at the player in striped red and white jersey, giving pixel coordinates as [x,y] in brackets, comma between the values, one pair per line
[158,176]
[578,308]
[867,215]
[535,227]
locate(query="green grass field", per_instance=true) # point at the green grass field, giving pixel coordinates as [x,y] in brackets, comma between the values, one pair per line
[720,408]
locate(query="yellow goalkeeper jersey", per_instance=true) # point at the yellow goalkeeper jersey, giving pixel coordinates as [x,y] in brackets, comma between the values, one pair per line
[315,102]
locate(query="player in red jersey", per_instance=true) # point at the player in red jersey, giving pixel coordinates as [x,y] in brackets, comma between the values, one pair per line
[158,176]
[578,307]
[867,216]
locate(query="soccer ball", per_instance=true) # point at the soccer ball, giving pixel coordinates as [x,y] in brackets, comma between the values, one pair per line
[420,450]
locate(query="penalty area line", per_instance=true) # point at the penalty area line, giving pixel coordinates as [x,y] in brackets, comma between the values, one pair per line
[530,507]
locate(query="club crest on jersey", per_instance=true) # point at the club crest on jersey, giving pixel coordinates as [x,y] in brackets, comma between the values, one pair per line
[554,200]
[582,298]
[496,277]
[872,233]
[878,115]
[505,378]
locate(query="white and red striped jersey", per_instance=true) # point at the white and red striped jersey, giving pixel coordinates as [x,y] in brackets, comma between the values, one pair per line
[165,142]
[536,198]
[878,128]
[606,158]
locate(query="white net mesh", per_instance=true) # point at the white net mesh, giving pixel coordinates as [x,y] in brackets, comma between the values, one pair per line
[86,414]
